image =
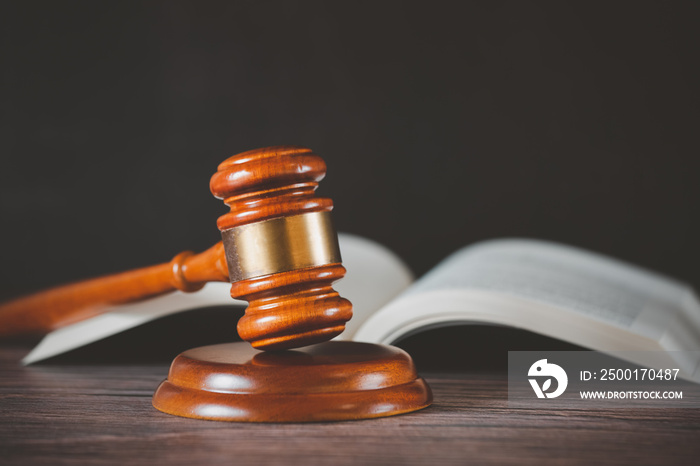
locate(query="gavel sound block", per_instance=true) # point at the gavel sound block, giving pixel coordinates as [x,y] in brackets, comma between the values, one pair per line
[283,256]
[280,252]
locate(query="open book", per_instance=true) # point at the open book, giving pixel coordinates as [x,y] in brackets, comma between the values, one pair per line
[554,290]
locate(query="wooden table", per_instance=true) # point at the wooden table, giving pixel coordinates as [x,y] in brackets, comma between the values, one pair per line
[102,414]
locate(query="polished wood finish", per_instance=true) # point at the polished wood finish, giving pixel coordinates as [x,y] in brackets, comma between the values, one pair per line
[101,414]
[269,190]
[267,183]
[293,308]
[330,381]
[48,310]
[286,310]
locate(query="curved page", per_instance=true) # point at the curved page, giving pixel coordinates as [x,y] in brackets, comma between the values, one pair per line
[554,290]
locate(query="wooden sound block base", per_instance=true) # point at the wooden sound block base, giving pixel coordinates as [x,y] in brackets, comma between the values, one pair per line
[332,381]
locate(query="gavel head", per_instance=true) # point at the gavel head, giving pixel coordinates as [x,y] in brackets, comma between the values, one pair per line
[281,247]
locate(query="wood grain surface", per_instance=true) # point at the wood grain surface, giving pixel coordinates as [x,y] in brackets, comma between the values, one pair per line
[102,414]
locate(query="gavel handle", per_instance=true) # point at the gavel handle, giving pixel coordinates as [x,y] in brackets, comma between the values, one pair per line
[48,310]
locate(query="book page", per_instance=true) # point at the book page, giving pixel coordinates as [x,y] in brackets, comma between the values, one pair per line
[574,286]
[374,276]
[559,275]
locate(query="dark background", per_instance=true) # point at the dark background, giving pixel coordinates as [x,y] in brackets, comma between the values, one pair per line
[442,124]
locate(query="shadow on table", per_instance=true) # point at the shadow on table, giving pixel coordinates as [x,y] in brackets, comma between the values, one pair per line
[456,348]
[474,347]
[159,341]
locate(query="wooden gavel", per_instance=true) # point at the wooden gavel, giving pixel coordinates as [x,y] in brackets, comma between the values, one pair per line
[279,251]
